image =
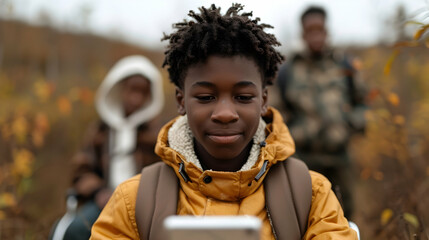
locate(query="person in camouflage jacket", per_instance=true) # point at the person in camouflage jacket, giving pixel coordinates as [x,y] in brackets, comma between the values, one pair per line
[324,105]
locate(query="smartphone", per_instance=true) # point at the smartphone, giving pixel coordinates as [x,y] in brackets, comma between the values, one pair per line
[213,227]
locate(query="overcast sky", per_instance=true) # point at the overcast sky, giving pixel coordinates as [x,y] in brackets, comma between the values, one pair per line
[142,22]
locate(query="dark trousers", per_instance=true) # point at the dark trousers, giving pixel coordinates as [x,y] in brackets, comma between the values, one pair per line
[81,226]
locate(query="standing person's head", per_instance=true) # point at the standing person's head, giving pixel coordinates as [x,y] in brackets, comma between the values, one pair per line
[131,93]
[221,65]
[314,30]
[135,93]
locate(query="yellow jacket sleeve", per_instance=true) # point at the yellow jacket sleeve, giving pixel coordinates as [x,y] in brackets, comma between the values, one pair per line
[326,219]
[117,220]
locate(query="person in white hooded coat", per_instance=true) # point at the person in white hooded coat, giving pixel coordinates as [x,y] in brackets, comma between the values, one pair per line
[118,146]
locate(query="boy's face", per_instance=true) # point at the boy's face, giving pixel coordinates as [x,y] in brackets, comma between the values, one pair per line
[224,99]
[314,32]
[135,93]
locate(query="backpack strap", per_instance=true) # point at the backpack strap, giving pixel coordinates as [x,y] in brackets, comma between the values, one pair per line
[288,198]
[157,198]
[285,74]
[284,78]
[287,187]
[349,74]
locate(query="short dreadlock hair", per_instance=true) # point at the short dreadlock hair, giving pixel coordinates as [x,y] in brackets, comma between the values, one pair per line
[211,33]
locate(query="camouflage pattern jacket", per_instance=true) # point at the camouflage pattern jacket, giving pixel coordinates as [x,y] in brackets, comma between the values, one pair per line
[324,105]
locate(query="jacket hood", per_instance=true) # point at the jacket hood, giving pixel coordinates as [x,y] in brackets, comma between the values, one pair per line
[108,103]
[109,106]
[230,186]
[123,134]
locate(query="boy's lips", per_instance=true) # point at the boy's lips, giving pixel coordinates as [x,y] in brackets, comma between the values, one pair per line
[224,139]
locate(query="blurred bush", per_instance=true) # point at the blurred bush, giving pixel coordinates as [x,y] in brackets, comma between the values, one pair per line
[392,157]
[48,81]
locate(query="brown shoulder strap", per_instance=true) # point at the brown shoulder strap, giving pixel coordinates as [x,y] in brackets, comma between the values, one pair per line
[156,199]
[288,194]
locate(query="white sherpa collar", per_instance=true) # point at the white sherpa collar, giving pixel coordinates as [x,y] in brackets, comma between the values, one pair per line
[180,139]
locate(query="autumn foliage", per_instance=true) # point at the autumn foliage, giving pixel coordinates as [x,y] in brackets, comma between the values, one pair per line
[47,85]
[392,157]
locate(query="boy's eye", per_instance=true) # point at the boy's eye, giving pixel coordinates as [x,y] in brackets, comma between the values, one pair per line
[205,98]
[244,98]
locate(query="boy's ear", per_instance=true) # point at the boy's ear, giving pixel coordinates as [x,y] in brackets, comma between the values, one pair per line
[264,107]
[180,100]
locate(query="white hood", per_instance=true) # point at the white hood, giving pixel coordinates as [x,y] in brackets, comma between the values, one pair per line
[109,107]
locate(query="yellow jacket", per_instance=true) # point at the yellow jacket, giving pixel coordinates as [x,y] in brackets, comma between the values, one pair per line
[228,193]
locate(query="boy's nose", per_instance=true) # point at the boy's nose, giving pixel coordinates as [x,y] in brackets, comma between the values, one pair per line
[224,112]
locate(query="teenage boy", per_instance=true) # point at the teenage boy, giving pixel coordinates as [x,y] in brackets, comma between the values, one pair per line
[227,139]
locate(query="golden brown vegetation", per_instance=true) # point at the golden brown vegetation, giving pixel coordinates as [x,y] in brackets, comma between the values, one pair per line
[393,155]
[47,85]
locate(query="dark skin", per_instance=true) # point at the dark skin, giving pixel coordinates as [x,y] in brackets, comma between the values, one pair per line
[135,93]
[224,99]
[314,33]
